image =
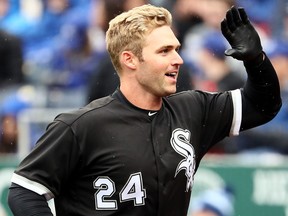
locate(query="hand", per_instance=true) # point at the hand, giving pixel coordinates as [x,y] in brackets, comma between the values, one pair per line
[241,35]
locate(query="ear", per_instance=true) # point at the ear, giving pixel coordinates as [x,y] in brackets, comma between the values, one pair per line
[128,59]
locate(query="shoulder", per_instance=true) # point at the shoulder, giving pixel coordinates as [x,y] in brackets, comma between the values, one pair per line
[197,95]
[96,108]
[201,100]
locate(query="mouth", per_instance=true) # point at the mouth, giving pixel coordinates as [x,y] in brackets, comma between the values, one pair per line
[171,74]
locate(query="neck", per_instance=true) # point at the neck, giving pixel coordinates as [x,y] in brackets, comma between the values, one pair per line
[141,99]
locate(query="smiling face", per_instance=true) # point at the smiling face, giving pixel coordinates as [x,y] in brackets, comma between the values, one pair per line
[144,52]
[158,71]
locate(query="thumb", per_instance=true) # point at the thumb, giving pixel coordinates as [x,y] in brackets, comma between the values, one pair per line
[233,52]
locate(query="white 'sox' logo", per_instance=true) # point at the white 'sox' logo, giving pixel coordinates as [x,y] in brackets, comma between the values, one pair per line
[180,141]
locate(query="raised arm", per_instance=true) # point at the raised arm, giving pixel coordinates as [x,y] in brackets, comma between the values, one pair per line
[261,93]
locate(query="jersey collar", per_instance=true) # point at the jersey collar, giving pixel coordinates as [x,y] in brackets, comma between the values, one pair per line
[119,96]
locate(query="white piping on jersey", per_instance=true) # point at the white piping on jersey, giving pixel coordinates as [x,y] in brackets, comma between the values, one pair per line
[237,112]
[32,185]
[37,188]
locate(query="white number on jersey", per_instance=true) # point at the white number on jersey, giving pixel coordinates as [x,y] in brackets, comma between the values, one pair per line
[106,188]
[132,190]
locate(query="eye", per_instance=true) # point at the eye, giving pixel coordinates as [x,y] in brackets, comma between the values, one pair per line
[167,49]
[164,51]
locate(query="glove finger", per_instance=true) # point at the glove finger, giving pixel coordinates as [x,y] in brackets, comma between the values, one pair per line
[225,30]
[236,16]
[243,15]
[230,21]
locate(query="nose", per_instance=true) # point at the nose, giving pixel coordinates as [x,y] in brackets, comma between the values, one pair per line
[177,59]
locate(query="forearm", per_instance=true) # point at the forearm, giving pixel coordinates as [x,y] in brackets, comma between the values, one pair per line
[24,202]
[261,94]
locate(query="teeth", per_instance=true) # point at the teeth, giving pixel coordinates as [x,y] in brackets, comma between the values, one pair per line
[171,74]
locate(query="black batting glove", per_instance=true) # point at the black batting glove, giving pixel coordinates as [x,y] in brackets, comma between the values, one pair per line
[243,38]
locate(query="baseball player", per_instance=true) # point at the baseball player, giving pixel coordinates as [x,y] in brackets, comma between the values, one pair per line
[136,151]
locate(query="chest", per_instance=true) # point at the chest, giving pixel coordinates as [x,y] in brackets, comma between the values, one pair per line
[137,160]
[157,149]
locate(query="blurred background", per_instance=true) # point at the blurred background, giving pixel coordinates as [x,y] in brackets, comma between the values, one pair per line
[53,59]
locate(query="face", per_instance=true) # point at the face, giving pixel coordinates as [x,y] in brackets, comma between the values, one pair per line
[280,64]
[214,11]
[158,73]
[4,7]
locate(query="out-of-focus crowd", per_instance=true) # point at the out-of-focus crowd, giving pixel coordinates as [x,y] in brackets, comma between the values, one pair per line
[53,55]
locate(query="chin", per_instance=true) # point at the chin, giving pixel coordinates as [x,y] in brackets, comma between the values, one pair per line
[172,91]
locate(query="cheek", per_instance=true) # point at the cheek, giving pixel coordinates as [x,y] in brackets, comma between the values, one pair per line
[149,67]
[153,69]
[149,76]
[157,66]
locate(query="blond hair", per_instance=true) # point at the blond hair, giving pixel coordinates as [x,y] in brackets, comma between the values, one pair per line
[127,31]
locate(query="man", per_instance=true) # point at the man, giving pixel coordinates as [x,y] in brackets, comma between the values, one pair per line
[136,152]
[104,79]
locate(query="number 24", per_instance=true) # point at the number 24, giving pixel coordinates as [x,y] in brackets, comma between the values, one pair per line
[133,190]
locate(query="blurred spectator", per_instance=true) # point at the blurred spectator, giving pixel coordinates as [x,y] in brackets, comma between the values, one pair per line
[20,17]
[213,202]
[272,137]
[11,60]
[212,13]
[42,45]
[48,27]
[283,25]
[64,59]
[213,65]
[262,13]
[73,64]
[12,105]
[105,79]
[186,15]
[9,11]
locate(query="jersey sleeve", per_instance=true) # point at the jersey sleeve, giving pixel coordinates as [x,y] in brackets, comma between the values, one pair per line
[220,115]
[261,95]
[210,117]
[50,163]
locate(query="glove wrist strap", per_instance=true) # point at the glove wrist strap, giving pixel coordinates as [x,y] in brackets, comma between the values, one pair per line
[256,62]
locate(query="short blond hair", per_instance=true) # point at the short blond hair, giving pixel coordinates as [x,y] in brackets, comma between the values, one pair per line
[127,31]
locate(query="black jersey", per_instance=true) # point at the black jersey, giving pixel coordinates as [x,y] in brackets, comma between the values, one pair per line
[111,158]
